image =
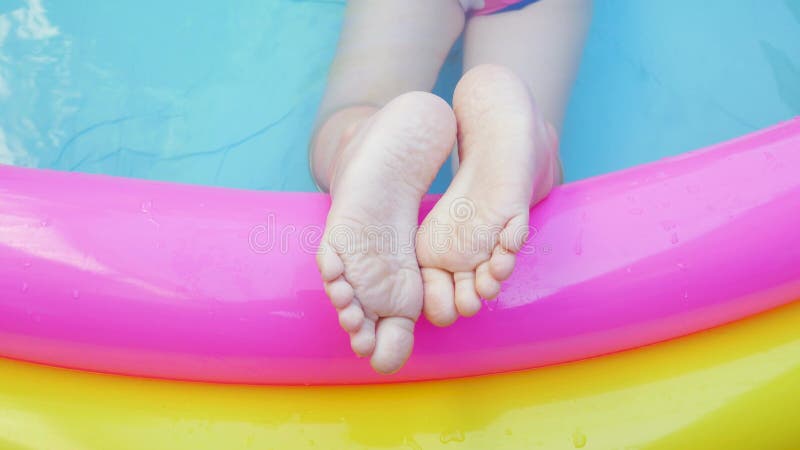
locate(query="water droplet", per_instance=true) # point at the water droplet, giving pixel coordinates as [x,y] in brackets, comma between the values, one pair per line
[411,443]
[76,294]
[629,269]
[147,206]
[578,439]
[27,264]
[24,287]
[686,296]
[636,211]
[508,432]
[45,223]
[674,239]
[578,248]
[681,266]
[491,304]
[454,436]
[769,156]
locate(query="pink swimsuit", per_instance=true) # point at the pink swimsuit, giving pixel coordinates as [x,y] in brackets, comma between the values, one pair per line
[484,7]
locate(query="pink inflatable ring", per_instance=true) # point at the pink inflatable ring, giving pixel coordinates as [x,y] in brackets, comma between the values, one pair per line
[199,283]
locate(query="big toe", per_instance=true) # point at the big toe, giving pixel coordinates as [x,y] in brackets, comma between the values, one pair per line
[394,342]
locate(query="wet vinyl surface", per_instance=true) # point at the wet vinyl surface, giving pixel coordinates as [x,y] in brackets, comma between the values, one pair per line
[225,94]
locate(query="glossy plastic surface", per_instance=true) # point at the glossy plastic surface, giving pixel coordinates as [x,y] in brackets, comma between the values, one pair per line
[188,282]
[730,387]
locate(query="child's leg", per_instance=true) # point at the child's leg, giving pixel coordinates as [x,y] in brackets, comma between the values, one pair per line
[386,48]
[377,151]
[508,151]
[541,43]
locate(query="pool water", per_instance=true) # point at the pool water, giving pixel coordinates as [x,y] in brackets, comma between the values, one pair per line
[225,93]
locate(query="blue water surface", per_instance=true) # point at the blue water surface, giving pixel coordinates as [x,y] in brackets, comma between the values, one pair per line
[225,93]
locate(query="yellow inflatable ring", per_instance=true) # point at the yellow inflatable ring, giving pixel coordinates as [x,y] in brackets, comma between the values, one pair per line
[730,387]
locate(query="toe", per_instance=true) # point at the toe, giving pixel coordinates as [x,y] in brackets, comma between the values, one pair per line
[502,263]
[467,301]
[438,304]
[329,263]
[394,342]
[340,292]
[515,233]
[363,341]
[485,284]
[351,317]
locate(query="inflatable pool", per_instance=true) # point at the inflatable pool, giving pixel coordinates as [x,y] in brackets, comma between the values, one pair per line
[653,307]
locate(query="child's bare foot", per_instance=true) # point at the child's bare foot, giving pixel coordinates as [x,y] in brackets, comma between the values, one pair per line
[508,161]
[367,258]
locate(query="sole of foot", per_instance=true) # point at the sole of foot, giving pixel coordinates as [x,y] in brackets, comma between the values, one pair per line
[367,256]
[467,244]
